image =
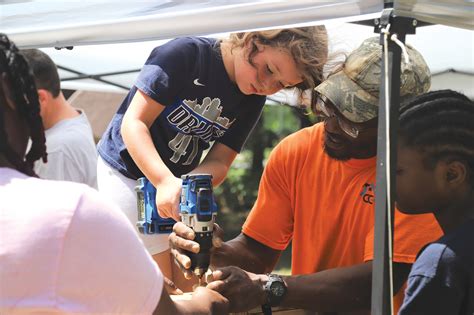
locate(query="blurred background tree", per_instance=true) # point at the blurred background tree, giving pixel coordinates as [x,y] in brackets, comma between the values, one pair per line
[236,196]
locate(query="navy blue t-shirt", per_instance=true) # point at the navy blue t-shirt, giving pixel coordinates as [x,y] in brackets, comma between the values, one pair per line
[188,77]
[441,280]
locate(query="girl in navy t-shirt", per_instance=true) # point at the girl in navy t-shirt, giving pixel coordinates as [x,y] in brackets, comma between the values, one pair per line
[195,94]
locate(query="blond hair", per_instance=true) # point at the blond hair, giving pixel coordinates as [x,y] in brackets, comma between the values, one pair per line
[307,45]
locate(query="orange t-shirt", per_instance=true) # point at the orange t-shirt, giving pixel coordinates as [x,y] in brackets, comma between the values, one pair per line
[326,207]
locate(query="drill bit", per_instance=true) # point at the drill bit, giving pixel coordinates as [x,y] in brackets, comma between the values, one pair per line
[200,280]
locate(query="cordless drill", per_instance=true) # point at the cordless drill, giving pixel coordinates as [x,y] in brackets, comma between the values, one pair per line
[198,210]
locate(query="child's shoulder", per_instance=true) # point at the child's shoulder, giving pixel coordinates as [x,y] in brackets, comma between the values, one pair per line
[461,240]
[452,251]
[184,46]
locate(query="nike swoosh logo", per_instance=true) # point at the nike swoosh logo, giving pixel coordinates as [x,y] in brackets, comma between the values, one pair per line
[196,82]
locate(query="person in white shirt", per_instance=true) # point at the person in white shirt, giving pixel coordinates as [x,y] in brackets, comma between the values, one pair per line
[72,154]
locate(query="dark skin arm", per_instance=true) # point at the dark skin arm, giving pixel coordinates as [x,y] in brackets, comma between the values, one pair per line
[344,288]
[338,289]
[246,253]
[333,290]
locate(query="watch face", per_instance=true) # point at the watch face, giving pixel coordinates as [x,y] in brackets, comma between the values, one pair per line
[277,289]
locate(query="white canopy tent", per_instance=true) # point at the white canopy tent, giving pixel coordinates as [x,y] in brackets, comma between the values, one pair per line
[435,42]
[142,25]
[457,13]
[44,23]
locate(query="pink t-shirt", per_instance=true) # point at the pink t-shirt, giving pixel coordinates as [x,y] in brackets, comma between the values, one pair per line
[64,249]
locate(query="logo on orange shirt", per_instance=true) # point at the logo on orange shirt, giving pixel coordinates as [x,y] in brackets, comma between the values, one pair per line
[368,193]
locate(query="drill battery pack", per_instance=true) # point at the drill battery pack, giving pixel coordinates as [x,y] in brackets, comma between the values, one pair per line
[149,221]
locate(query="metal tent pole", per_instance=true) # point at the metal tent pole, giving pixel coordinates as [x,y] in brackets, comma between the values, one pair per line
[382,286]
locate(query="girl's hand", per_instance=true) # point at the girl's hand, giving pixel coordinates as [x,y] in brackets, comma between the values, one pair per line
[168,193]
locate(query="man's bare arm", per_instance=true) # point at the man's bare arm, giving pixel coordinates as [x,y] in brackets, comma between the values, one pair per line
[339,289]
[345,289]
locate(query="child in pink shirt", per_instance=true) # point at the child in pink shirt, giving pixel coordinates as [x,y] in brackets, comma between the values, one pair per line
[60,247]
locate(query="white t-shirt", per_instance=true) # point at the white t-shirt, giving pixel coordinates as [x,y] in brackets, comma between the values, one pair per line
[72,154]
[64,249]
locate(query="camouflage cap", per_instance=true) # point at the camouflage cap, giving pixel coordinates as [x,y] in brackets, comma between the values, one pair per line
[354,90]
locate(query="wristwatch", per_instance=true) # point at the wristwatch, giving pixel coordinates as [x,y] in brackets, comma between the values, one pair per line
[275,290]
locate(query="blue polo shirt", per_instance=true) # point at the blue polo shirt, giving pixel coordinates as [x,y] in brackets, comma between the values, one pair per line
[441,280]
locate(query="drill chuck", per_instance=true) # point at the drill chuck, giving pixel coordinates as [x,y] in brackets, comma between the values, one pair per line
[200,261]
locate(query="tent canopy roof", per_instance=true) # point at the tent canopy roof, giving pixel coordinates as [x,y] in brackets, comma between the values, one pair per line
[457,13]
[45,23]
[140,25]
[458,44]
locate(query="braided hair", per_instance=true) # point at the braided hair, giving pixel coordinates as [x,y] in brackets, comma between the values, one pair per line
[25,98]
[441,125]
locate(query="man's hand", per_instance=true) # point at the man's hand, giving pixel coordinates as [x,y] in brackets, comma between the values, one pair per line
[168,193]
[181,240]
[243,289]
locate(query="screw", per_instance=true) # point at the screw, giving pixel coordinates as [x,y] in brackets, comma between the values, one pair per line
[415,22]
[376,21]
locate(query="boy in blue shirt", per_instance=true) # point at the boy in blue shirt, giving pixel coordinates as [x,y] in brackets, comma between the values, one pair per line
[435,170]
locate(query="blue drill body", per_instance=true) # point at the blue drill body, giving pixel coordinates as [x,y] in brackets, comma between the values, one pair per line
[198,210]
[149,222]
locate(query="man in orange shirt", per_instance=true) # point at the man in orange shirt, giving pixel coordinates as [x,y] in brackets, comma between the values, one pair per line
[317,191]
